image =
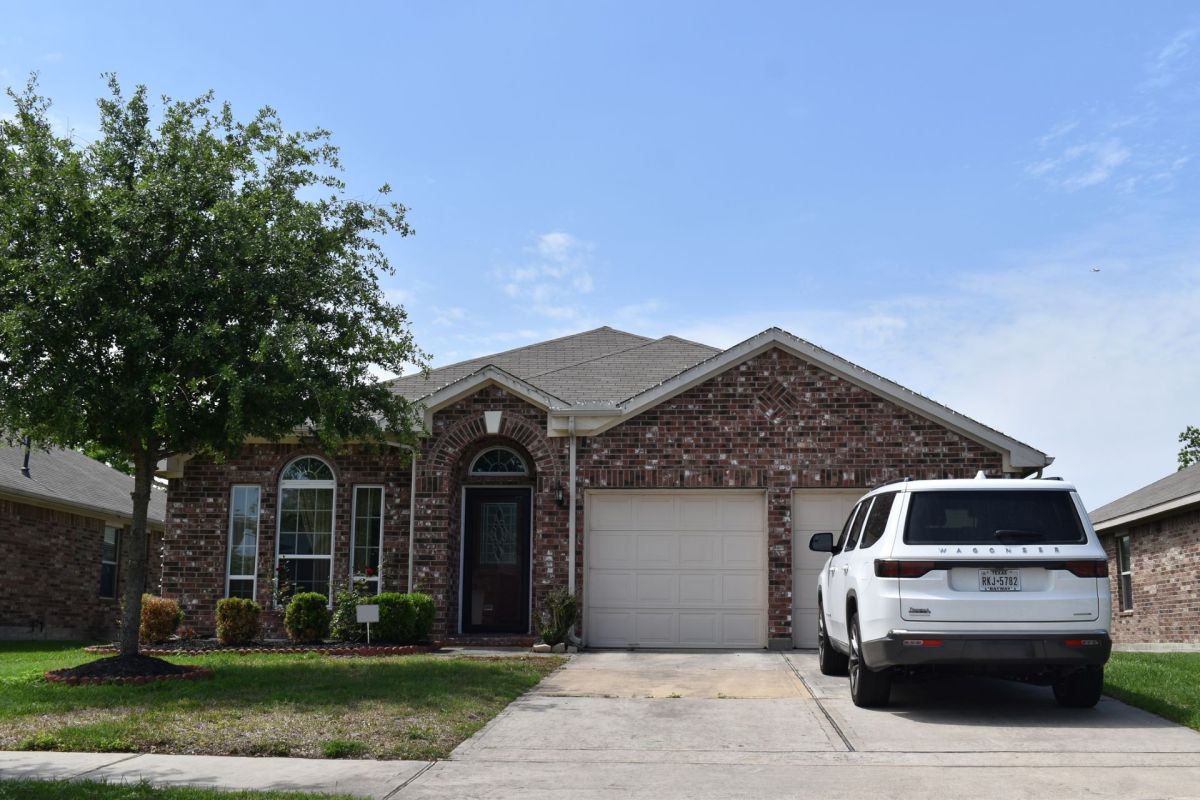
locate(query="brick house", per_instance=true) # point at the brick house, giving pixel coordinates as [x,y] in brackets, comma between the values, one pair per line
[1153,541]
[64,519]
[695,475]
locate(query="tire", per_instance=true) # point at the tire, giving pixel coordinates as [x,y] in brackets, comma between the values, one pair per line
[829,660]
[1080,689]
[868,688]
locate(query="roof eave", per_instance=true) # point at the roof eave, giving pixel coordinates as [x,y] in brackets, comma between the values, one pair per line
[1149,513]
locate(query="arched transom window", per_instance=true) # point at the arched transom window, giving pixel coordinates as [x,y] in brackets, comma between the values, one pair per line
[498,461]
[305,541]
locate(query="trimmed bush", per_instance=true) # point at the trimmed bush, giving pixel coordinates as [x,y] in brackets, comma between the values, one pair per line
[160,619]
[403,618]
[307,617]
[556,616]
[344,626]
[237,620]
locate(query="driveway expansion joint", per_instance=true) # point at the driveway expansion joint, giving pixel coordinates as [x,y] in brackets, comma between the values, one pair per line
[829,717]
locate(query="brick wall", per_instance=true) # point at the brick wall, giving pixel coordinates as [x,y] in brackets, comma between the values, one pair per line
[1165,557]
[50,574]
[196,542]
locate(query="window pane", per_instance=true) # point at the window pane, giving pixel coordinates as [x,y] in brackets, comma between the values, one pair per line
[108,580]
[841,541]
[1123,553]
[878,519]
[109,549]
[310,574]
[368,523]
[499,461]
[855,532]
[986,517]
[243,533]
[241,587]
[1126,592]
[308,469]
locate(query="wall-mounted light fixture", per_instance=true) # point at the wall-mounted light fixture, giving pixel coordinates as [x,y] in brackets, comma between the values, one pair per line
[559,496]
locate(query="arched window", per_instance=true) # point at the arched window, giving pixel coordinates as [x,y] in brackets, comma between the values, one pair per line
[498,461]
[304,560]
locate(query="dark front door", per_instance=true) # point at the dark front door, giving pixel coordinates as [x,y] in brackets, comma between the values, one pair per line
[496,561]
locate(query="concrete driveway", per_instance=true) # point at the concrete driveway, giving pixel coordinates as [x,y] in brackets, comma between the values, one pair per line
[659,725]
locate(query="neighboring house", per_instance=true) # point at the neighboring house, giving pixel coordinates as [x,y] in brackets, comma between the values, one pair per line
[64,519]
[1153,542]
[696,475]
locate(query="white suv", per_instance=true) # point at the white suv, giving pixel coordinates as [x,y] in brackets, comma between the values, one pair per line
[995,576]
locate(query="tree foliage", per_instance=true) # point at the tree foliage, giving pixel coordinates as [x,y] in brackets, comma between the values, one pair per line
[188,280]
[1190,452]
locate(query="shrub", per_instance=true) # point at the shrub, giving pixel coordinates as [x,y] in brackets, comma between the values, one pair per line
[344,626]
[307,617]
[237,620]
[556,616]
[160,618]
[403,618]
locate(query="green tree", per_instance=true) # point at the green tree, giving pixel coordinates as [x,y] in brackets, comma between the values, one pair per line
[186,281]
[1190,452]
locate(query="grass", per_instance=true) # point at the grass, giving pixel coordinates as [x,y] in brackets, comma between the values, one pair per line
[307,705]
[90,790]
[1167,684]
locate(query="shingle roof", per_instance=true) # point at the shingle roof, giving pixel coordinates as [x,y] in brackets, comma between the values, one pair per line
[69,478]
[601,365]
[1173,487]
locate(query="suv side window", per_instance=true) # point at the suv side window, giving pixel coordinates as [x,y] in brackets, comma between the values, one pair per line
[860,520]
[841,542]
[877,521]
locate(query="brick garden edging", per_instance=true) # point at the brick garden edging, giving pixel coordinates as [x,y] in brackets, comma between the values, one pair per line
[193,673]
[320,649]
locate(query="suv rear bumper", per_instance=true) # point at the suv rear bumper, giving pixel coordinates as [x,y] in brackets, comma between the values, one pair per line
[900,648]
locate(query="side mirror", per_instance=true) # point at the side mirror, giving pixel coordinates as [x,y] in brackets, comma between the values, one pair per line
[821,542]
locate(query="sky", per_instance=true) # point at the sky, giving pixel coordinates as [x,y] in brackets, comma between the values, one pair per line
[992,204]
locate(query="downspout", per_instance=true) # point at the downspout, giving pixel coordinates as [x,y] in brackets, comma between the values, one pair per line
[412,509]
[571,519]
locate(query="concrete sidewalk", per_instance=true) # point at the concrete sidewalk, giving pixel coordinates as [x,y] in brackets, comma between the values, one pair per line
[375,779]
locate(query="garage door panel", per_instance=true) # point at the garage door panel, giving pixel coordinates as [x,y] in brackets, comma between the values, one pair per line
[657,589]
[813,512]
[676,569]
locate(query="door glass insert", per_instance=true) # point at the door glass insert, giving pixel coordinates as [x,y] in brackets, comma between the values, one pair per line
[498,533]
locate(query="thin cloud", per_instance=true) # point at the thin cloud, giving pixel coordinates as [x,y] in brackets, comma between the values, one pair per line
[1173,59]
[1080,166]
[555,275]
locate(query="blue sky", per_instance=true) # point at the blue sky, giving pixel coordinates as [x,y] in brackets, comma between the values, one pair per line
[925,190]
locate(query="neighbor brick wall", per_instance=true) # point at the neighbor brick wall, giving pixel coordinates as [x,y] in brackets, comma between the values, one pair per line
[1165,557]
[50,574]
[778,423]
[196,542]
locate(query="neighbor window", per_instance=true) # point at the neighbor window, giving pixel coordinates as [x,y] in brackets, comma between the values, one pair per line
[1124,573]
[109,551]
[498,461]
[243,542]
[305,541]
[366,536]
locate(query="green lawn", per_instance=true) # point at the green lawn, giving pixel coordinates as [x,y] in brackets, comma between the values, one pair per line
[54,790]
[398,707]
[1167,684]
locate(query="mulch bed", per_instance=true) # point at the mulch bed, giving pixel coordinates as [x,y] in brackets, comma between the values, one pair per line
[210,646]
[126,669]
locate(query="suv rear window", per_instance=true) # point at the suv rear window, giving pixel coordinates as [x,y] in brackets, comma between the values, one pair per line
[991,517]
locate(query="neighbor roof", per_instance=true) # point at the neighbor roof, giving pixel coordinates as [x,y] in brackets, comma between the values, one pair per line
[1177,490]
[67,478]
[598,366]
[594,380]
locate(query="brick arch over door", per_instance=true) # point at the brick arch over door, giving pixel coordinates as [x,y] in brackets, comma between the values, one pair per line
[459,434]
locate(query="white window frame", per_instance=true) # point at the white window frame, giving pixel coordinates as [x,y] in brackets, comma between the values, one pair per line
[229,576]
[1124,602]
[378,579]
[116,563]
[485,451]
[306,484]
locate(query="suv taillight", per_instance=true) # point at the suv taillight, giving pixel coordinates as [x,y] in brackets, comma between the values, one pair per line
[1088,569]
[891,568]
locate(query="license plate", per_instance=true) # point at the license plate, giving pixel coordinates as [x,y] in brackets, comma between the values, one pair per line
[999,580]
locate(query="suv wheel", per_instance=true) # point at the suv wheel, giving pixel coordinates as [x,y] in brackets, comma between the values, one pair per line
[868,689]
[1080,689]
[829,660]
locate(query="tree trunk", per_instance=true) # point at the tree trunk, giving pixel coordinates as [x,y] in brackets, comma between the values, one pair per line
[133,553]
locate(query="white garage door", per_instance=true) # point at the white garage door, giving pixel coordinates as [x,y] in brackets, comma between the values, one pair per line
[813,511]
[676,569]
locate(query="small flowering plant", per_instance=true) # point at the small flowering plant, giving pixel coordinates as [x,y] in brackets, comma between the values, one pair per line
[363,581]
[281,584]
